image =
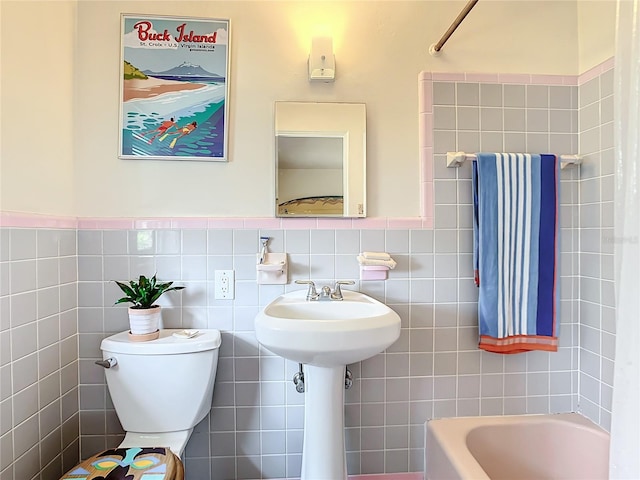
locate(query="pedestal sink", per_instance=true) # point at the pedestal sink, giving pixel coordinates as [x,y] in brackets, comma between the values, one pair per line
[326,336]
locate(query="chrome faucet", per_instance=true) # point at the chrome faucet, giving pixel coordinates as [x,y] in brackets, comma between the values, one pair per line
[312,293]
[326,293]
[337,291]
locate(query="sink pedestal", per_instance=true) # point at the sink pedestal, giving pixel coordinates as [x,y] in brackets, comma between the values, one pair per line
[325,337]
[323,450]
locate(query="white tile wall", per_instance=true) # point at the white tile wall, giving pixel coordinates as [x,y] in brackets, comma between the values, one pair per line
[255,425]
[597,301]
[39,419]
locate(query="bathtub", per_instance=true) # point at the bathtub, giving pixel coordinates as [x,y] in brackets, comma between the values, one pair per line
[562,446]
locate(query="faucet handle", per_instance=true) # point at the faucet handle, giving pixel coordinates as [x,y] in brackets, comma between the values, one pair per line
[337,291]
[312,294]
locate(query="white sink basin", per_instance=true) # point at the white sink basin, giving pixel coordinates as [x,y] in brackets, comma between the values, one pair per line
[327,333]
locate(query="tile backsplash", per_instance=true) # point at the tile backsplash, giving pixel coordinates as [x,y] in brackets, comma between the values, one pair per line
[255,426]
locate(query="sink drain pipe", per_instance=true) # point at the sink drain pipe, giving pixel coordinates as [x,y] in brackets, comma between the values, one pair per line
[348,379]
[298,379]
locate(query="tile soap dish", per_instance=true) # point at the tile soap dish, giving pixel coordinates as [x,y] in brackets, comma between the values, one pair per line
[373,272]
[375,265]
[272,269]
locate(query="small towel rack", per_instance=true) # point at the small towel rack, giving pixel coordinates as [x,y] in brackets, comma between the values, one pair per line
[456,159]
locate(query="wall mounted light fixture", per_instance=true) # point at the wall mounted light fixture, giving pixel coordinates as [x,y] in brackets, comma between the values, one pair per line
[322,62]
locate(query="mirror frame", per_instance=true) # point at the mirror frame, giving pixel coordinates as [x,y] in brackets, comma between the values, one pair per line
[341,120]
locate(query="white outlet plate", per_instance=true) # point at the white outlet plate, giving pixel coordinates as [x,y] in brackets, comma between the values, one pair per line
[225,285]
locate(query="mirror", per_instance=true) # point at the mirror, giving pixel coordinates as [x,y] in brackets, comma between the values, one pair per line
[320,159]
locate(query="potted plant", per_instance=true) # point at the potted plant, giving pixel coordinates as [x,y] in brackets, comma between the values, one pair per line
[144,314]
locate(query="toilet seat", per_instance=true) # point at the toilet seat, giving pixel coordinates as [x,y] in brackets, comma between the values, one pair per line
[142,463]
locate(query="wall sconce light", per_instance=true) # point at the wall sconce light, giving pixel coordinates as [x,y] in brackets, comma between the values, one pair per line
[322,62]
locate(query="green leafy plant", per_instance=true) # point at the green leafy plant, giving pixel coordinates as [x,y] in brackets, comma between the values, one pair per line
[144,293]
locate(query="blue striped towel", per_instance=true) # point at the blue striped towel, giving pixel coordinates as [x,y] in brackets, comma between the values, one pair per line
[515,255]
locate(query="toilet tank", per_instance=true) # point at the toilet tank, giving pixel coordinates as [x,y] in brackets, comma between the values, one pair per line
[162,385]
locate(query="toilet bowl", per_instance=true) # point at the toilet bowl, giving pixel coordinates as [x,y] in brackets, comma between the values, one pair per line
[161,389]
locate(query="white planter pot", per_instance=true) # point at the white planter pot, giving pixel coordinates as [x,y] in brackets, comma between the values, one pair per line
[144,321]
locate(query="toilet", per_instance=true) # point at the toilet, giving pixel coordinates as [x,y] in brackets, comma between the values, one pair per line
[161,389]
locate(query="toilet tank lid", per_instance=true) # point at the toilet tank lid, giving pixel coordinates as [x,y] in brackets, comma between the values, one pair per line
[166,344]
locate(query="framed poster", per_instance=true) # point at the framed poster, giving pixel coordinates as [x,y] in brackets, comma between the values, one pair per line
[174,88]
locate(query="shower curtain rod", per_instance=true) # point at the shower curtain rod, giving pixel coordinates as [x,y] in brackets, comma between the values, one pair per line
[436,47]
[456,159]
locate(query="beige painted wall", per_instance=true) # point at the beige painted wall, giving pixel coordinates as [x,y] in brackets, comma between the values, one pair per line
[36,98]
[380,48]
[597,32]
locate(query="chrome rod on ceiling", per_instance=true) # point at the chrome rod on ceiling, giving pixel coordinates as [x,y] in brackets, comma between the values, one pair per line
[436,47]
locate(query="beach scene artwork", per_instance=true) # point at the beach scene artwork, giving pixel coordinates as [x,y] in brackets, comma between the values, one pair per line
[174,88]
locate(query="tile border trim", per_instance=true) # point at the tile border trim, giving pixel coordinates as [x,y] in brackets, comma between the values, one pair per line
[26,220]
